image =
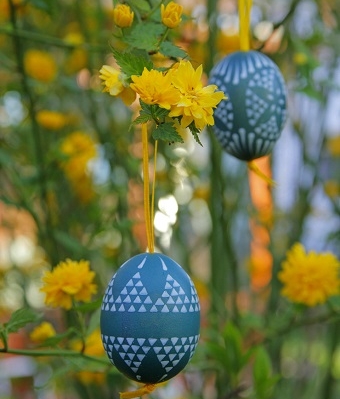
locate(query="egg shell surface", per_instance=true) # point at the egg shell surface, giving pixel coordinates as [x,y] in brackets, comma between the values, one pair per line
[250,120]
[150,318]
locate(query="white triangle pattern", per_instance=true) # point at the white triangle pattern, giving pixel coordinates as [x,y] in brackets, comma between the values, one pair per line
[169,351]
[134,297]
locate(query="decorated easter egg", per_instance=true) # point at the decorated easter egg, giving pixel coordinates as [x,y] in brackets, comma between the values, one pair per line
[250,120]
[150,318]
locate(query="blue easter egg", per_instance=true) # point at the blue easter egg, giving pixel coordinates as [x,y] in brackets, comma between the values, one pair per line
[250,121]
[150,318]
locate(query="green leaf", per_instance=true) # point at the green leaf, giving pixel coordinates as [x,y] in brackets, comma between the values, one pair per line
[145,114]
[56,339]
[193,129]
[263,377]
[143,5]
[94,320]
[172,51]
[5,158]
[159,113]
[88,307]
[145,36]
[69,242]
[167,132]
[20,318]
[132,63]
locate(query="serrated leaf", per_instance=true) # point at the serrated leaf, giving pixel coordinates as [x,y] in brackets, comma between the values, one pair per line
[193,129]
[145,36]
[142,118]
[167,132]
[20,318]
[171,50]
[159,113]
[131,63]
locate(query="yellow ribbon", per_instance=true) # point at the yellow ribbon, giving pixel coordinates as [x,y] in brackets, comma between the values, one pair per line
[253,167]
[146,389]
[148,210]
[244,8]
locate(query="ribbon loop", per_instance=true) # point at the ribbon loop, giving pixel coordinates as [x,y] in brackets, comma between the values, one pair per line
[146,389]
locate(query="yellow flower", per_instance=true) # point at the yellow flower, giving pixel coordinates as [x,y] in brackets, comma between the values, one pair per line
[123,16]
[333,145]
[51,119]
[68,281]
[116,84]
[196,102]
[155,87]
[309,279]
[332,188]
[171,14]
[42,332]
[40,65]
[79,149]
[300,58]
[93,347]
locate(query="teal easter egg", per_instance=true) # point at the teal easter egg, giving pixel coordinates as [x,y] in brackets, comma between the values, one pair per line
[250,121]
[150,318]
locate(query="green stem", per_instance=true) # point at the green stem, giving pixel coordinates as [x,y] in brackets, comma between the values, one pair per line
[52,352]
[39,148]
[325,318]
[53,41]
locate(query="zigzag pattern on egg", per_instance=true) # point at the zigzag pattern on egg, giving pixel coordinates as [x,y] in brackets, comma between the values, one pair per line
[150,318]
[250,120]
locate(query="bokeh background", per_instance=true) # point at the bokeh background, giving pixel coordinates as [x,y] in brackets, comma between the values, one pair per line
[71,187]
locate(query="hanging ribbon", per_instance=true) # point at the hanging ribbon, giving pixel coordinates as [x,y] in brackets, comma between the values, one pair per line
[244,8]
[148,209]
[146,389]
[253,167]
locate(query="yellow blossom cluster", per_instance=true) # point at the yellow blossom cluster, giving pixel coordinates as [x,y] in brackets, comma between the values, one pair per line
[179,90]
[68,281]
[78,149]
[309,278]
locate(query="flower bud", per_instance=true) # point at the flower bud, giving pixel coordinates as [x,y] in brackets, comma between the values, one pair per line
[171,14]
[123,16]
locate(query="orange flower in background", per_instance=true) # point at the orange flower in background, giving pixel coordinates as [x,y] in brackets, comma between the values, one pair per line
[123,16]
[69,280]
[171,14]
[42,332]
[309,278]
[40,65]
